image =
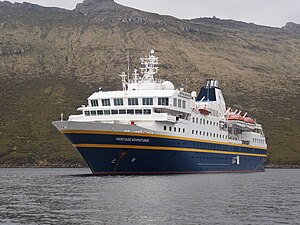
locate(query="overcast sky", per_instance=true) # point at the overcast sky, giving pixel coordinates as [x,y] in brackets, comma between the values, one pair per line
[265,12]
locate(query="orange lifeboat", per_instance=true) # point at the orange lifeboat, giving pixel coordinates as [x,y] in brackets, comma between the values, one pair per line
[204,111]
[249,120]
[235,117]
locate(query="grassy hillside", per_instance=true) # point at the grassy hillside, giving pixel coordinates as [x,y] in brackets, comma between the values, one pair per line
[51,60]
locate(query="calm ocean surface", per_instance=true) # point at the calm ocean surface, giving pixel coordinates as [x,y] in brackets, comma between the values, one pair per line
[69,196]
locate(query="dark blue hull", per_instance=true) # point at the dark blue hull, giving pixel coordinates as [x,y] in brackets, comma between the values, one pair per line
[130,153]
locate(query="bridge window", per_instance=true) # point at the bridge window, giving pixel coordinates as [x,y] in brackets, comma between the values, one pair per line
[138,112]
[105,102]
[183,104]
[130,111]
[133,101]
[163,101]
[147,111]
[122,111]
[175,102]
[179,103]
[93,113]
[99,112]
[106,112]
[147,101]
[94,103]
[118,101]
[114,111]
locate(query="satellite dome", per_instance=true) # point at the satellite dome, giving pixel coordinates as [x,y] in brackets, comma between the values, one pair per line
[167,85]
[194,94]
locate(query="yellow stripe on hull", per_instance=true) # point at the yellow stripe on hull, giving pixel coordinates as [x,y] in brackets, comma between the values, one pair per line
[155,135]
[163,148]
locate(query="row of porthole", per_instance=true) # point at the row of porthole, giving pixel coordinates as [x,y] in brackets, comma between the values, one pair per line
[208,122]
[260,141]
[209,134]
[176,129]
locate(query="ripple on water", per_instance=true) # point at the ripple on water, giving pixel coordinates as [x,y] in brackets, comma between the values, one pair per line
[60,196]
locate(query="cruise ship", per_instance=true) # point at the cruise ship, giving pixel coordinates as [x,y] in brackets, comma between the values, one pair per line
[151,127]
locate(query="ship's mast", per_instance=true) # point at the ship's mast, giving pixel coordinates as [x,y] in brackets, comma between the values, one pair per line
[150,67]
[124,82]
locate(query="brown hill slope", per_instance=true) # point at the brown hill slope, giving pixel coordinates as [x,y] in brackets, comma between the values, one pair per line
[51,60]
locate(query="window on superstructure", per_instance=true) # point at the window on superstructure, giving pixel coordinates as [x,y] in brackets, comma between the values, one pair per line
[204,121]
[174,129]
[200,121]
[183,104]
[147,111]
[99,112]
[122,111]
[87,113]
[118,101]
[170,128]
[192,131]
[197,120]
[114,111]
[178,129]
[94,103]
[106,112]
[147,101]
[163,101]
[175,102]
[93,113]
[138,112]
[179,103]
[193,119]
[200,132]
[133,101]
[196,131]
[210,122]
[165,127]
[130,111]
[105,102]
[183,130]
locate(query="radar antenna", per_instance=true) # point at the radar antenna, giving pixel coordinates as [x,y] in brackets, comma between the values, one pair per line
[150,66]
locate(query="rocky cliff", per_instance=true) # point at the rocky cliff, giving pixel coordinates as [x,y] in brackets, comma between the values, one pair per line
[51,59]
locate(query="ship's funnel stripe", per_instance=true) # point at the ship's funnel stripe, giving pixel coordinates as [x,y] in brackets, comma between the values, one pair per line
[161,148]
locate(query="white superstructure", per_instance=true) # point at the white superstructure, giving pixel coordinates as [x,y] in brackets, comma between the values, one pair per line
[157,107]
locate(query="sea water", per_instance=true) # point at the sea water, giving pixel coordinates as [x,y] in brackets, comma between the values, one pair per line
[72,196]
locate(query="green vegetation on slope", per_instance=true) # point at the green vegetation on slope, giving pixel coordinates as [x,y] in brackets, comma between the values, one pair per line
[51,60]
